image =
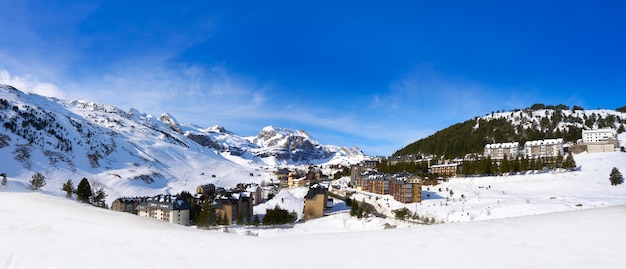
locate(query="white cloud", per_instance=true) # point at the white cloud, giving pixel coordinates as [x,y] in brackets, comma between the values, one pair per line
[30,84]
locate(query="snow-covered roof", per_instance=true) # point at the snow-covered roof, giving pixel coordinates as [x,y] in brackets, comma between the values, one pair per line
[502,145]
[544,142]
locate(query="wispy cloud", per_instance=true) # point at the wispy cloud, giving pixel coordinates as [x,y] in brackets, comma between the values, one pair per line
[30,84]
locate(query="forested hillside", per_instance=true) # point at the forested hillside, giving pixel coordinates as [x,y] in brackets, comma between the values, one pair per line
[534,123]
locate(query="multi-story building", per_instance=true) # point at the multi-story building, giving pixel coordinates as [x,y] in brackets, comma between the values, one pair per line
[543,148]
[234,205]
[406,188]
[497,151]
[315,202]
[206,191]
[448,169]
[598,135]
[358,169]
[371,181]
[600,140]
[127,204]
[166,208]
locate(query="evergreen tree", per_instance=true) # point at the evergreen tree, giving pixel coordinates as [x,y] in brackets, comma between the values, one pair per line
[256,221]
[68,187]
[523,165]
[616,177]
[354,209]
[38,180]
[83,191]
[207,216]
[224,220]
[279,216]
[505,166]
[98,198]
[569,163]
[4,179]
[539,164]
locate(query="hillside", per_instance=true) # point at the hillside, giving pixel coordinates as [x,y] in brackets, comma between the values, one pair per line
[535,123]
[132,153]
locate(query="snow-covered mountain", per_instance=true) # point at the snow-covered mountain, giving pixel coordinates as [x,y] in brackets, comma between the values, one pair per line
[131,153]
[535,123]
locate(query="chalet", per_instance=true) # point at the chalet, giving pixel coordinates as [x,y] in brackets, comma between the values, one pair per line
[166,208]
[315,202]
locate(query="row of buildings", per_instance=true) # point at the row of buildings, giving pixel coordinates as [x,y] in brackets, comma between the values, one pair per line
[404,187]
[532,149]
[233,204]
[167,208]
[298,178]
[596,140]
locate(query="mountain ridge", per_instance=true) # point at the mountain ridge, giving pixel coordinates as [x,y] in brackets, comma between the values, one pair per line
[132,153]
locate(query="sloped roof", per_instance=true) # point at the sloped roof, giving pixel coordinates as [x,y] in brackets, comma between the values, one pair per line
[314,192]
[165,203]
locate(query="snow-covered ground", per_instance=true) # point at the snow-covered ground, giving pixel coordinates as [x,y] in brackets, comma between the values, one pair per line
[480,198]
[563,220]
[44,231]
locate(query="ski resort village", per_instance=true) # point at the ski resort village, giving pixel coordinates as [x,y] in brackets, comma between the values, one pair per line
[86,185]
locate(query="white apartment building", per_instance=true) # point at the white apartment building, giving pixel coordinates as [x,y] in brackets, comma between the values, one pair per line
[497,151]
[598,135]
[543,148]
[166,208]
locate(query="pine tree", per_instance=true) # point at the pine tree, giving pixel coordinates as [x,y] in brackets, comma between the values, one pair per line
[505,166]
[256,222]
[218,219]
[4,179]
[97,198]
[616,177]
[523,166]
[38,180]
[83,191]
[354,209]
[68,187]
[225,220]
[208,216]
[569,163]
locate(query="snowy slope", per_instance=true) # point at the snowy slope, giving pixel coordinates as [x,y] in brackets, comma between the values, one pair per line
[42,231]
[127,153]
[481,198]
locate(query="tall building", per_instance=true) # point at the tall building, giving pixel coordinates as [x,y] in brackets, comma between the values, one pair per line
[497,151]
[543,148]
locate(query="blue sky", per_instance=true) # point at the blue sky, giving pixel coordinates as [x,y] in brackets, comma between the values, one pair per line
[373,74]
